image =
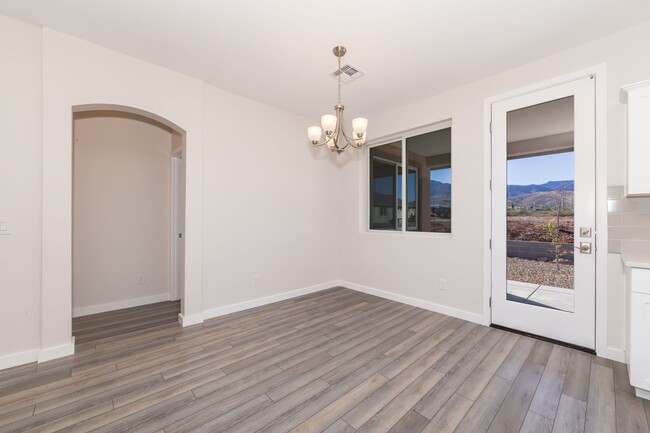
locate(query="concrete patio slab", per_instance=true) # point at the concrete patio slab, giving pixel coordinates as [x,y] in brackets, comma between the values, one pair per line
[554,297]
[520,289]
[557,290]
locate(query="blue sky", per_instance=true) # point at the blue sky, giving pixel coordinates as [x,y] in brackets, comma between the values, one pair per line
[541,169]
[441,175]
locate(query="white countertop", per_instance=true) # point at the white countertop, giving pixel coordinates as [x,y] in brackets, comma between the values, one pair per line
[636,260]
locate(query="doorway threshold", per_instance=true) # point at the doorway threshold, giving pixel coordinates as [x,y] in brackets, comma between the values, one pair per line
[549,340]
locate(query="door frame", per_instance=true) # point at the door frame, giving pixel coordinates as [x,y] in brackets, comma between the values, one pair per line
[176,172]
[600,238]
[577,325]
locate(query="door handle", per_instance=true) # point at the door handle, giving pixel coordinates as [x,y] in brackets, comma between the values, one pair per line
[585,248]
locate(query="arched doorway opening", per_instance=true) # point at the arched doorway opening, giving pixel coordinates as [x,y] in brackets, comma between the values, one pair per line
[128,190]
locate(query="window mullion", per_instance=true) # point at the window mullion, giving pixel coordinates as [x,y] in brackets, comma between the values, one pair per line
[404,178]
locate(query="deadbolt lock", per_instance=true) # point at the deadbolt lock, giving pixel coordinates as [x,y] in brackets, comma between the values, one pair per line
[585,232]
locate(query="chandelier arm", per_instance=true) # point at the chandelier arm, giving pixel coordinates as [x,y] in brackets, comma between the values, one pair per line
[325,141]
[338,132]
[346,143]
[351,142]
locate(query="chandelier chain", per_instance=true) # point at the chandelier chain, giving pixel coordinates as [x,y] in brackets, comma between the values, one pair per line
[339,79]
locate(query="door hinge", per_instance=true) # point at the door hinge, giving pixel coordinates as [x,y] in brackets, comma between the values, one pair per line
[490,127]
[490,301]
[490,184]
[490,243]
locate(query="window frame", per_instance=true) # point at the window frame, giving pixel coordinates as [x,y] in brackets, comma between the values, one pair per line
[392,138]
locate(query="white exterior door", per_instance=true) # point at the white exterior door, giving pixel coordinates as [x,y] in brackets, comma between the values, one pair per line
[543,213]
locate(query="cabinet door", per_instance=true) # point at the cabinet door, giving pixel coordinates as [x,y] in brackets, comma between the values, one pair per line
[638,141]
[639,340]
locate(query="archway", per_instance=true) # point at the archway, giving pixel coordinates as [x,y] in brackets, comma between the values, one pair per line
[56,299]
[126,212]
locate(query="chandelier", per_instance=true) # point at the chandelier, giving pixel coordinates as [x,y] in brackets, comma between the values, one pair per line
[335,137]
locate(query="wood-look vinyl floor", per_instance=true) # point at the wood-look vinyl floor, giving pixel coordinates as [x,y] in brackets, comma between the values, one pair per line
[112,324]
[334,361]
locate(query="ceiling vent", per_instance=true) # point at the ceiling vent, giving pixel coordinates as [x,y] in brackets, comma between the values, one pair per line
[348,73]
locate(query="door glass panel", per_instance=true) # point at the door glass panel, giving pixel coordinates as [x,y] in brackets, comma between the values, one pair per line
[540,212]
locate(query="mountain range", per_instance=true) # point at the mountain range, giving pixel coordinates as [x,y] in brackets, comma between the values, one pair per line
[555,185]
[440,193]
[548,195]
[539,196]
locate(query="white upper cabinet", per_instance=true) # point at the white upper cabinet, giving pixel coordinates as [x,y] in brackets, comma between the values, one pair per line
[637,98]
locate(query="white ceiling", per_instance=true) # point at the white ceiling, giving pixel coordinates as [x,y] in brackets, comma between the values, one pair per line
[280,52]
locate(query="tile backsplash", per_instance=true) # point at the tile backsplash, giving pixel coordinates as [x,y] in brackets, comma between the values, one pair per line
[628,222]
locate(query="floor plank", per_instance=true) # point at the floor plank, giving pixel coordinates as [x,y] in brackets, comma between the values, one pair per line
[435,399]
[535,423]
[576,383]
[412,422]
[482,413]
[547,397]
[514,409]
[630,416]
[601,405]
[570,416]
[450,416]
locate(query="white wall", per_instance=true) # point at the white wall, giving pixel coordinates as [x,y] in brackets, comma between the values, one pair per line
[20,188]
[270,203]
[121,212]
[411,266]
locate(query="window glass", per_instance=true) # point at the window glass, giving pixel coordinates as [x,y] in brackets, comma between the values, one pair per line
[428,185]
[386,187]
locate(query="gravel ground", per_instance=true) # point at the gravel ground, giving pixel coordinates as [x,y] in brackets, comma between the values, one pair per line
[538,272]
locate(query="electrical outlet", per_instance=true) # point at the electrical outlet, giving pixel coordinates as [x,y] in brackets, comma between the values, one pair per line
[442,284]
[5,226]
[141,279]
[256,280]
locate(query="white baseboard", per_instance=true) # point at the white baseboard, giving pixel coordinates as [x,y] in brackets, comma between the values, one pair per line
[190,320]
[15,359]
[127,303]
[642,393]
[56,352]
[233,308]
[431,306]
[615,355]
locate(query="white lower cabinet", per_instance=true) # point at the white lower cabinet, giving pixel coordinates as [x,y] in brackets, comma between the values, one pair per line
[638,350]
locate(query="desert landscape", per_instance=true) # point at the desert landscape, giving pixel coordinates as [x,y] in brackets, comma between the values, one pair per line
[532,216]
[535,227]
